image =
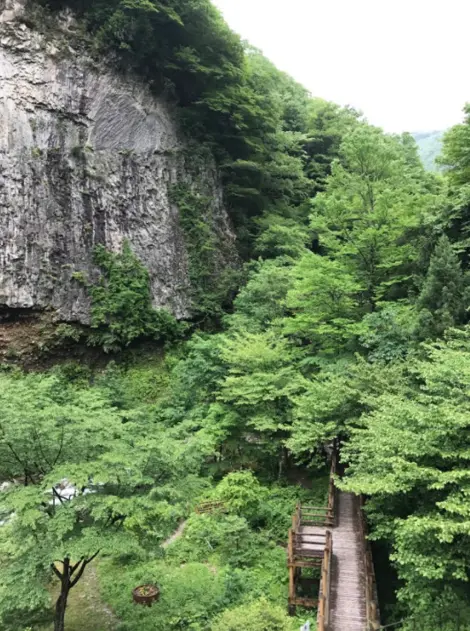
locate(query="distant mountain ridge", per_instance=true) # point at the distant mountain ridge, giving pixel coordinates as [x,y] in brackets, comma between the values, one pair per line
[430,146]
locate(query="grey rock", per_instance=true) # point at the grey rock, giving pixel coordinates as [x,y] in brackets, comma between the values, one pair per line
[87,157]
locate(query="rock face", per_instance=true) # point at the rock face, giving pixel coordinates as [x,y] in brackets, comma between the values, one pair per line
[87,157]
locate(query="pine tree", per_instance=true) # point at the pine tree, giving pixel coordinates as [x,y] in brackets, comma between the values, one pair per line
[442,301]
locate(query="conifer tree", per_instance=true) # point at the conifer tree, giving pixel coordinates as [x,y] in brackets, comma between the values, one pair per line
[442,301]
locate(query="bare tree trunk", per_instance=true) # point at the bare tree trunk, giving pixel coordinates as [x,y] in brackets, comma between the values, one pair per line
[282,462]
[61,604]
[68,579]
[60,607]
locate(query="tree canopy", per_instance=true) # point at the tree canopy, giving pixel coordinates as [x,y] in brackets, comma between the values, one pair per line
[349,322]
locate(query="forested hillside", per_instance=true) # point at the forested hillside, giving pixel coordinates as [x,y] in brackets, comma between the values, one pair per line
[348,321]
[429,147]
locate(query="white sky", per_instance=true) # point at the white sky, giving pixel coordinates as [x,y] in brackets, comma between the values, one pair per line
[404,63]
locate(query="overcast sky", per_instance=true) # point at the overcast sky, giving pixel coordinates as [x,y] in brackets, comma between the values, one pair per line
[404,63]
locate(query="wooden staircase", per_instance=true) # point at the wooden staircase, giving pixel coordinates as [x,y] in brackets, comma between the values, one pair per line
[333,539]
[310,546]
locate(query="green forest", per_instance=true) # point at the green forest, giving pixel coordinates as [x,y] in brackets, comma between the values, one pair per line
[346,319]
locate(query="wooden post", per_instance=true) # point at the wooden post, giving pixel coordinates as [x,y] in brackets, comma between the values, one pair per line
[328,557]
[290,560]
[372,610]
[321,614]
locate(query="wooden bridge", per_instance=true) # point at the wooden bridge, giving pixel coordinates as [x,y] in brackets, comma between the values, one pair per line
[330,563]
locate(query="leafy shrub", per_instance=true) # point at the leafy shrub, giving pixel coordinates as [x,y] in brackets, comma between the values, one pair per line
[259,615]
[279,503]
[267,578]
[212,282]
[226,539]
[135,385]
[121,303]
[388,334]
[74,372]
[242,494]
[190,595]
[65,333]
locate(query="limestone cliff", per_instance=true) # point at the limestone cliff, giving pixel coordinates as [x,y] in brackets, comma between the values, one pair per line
[86,157]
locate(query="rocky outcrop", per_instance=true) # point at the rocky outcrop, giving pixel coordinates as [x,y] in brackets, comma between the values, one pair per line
[87,157]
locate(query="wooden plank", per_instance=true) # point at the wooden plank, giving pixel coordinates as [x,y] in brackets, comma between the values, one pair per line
[208,507]
[309,539]
[307,508]
[314,562]
[348,610]
[317,536]
[291,569]
[304,553]
[305,602]
[309,516]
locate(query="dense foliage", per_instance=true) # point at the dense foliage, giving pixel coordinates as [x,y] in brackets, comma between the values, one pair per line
[351,323]
[121,302]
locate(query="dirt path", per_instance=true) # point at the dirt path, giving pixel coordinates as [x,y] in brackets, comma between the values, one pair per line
[176,535]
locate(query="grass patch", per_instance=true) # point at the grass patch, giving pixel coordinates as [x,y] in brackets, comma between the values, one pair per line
[85,610]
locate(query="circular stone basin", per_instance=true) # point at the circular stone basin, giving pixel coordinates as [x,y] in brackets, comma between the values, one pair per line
[146,595]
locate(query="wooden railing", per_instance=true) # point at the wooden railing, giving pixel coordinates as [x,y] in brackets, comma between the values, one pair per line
[372,602]
[318,515]
[310,545]
[324,597]
[443,621]
[332,487]
[296,517]
[313,516]
[290,563]
[210,507]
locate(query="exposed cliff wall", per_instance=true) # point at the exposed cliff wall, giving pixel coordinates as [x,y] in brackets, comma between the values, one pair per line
[86,157]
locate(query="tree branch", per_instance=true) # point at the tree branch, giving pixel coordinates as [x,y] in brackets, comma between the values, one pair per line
[60,446]
[59,497]
[10,447]
[82,569]
[56,572]
[74,567]
[92,558]
[39,468]
[38,441]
